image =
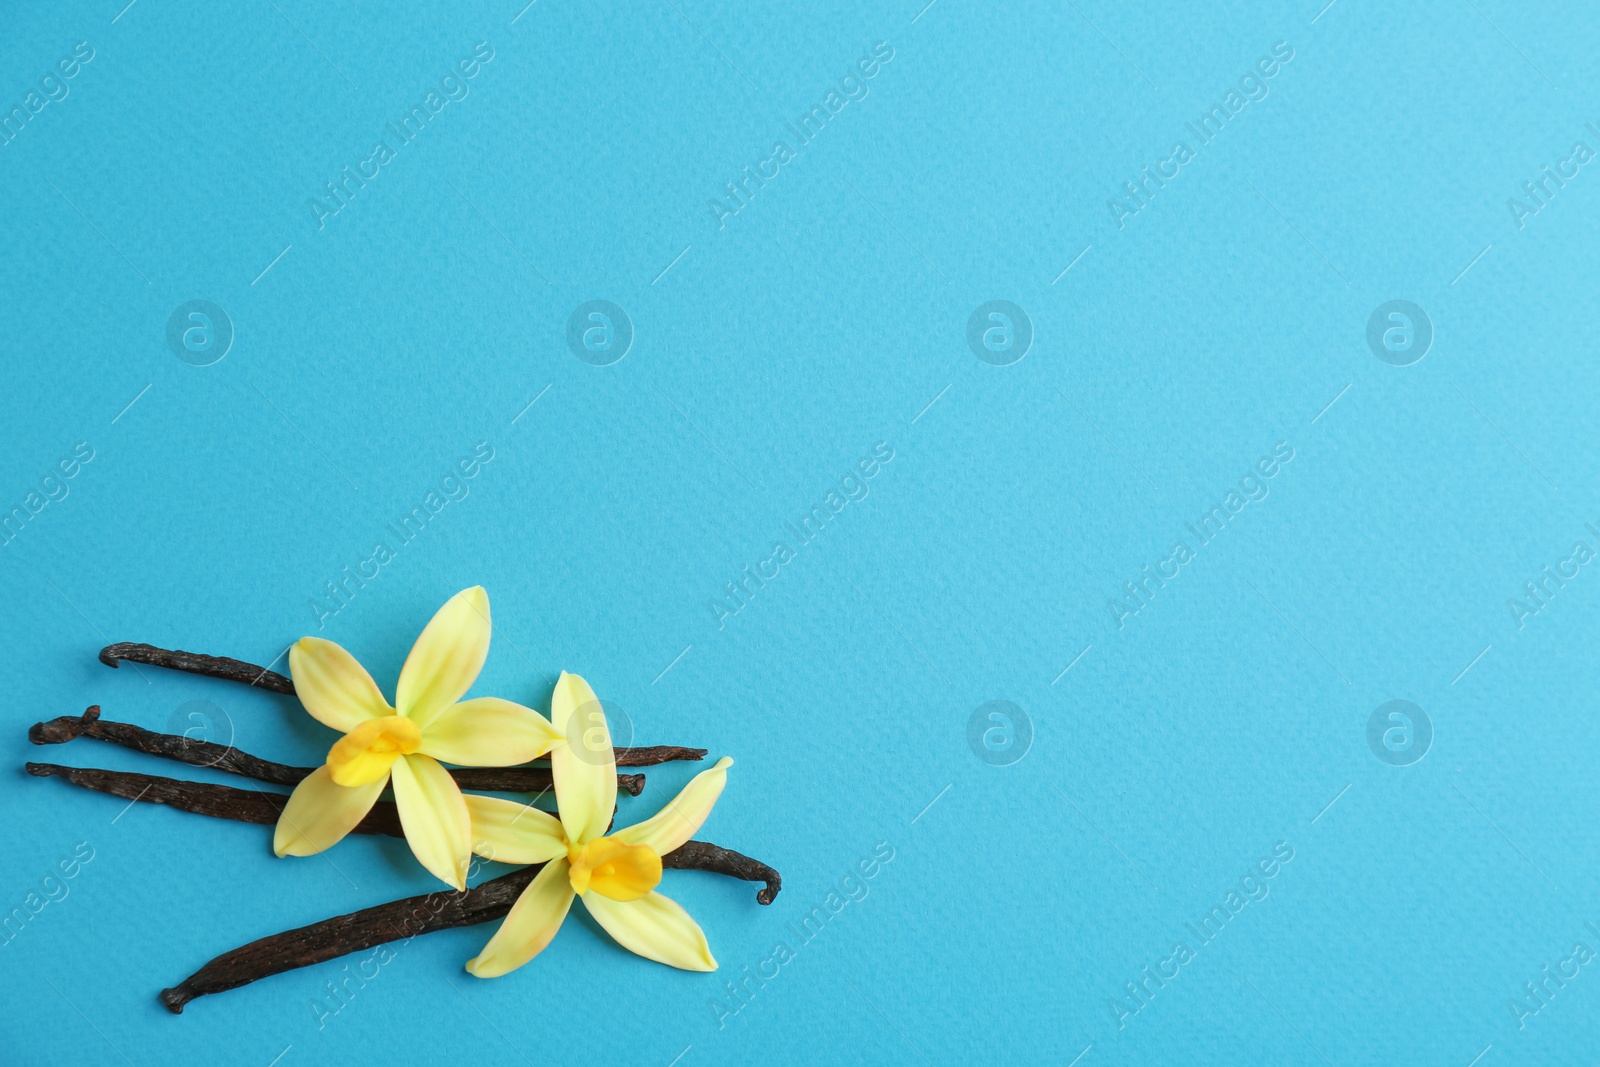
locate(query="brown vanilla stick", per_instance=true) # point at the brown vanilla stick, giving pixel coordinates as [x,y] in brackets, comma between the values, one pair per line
[203,798]
[218,801]
[262,807]
[650,755]
[411,916]
[704,856]
[227,758]
[340,936]
[234,670]
[188,750]
[372,926]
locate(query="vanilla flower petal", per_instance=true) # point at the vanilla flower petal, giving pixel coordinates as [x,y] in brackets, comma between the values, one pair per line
[585,767]
[508,832]
[320,813]
[488,732]
[529,926]
[434,816]
[446,659]
[334,688]
[676,823]
[655,927]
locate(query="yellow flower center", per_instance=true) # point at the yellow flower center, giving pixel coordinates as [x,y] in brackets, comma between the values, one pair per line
[366,753]
[613,869]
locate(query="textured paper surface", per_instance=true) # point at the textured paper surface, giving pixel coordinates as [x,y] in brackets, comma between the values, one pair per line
[1211,327]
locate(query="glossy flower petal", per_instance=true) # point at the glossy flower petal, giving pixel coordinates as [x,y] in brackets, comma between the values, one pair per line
[530,925]
[585,767]
[334,688]
[683,815]
[655,927]
[434,816]
[508,832]
[488,732]
[320,813]
[446,659]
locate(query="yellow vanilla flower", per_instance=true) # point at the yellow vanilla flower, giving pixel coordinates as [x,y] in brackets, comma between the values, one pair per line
[404,744]
[615,876]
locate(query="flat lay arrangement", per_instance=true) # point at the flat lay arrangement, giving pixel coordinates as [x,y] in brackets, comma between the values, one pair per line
[562,856]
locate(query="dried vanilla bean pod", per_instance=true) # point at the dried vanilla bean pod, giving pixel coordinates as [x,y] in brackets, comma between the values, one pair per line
[260,806]
[372,926]
[525,780]
[406,918]
[188,750]
[234,670]
[227,758]
[704,856]
[332,938]
[203,798]
[650,755]
[263,807]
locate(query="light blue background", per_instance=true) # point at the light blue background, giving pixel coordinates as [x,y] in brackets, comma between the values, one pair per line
[770,355]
